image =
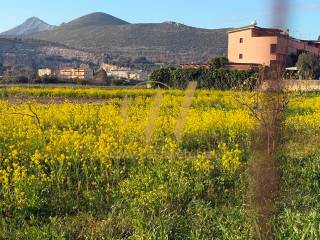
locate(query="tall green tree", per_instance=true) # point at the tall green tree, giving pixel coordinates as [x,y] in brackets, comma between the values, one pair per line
[308,66]
[162,75]
[218,62]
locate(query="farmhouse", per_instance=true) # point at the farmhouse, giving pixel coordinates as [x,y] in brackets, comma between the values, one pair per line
[121,72]
[44,72]
[125,74]
[266,46]
[76,73]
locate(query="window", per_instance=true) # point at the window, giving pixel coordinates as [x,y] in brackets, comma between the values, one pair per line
[240,56]
[273,48]
[241,40]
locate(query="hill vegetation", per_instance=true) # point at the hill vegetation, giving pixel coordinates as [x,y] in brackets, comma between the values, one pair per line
[167,42]
[125,44]
[22,56]
[95,19]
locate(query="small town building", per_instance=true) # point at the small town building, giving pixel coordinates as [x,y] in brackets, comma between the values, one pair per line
[108,67]
[124,73]
[44,72]
[121,72]
[266,46]
[83,73]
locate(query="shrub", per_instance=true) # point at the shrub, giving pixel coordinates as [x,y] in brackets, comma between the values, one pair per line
[213,78]
[218,62]
[309,66]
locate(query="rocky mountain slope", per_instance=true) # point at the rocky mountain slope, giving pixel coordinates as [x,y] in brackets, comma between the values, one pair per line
[31,25]
[96,19]
[167,42]
[99,37]
[32,54]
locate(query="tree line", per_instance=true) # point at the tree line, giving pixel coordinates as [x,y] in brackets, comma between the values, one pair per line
[217,76]
[207,78]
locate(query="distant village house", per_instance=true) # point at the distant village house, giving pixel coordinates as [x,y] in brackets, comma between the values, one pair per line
[42,72]
[121,72]
[76,73]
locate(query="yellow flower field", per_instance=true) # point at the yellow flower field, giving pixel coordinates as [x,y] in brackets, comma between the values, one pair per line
[67,159]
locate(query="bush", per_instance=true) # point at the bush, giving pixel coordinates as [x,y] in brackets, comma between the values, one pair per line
[117,82]
[222,79]
[218,62]
[21,79]
[309,66]
[49,79]
[82,81]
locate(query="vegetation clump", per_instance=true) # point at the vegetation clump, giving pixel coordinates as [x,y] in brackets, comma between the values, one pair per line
[212,78]
[308,66]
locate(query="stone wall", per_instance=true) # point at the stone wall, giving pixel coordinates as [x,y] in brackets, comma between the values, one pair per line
[292,85]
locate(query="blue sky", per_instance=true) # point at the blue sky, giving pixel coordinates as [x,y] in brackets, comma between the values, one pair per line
[304,21]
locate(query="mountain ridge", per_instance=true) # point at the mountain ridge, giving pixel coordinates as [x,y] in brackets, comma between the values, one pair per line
[30,26]
[167,42]
[95,19]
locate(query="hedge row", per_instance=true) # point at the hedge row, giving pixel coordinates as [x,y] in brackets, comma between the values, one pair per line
[222,79]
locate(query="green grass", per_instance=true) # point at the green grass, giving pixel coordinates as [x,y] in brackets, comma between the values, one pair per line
[298,215]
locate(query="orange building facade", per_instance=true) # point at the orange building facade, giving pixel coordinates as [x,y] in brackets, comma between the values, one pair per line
[266,46]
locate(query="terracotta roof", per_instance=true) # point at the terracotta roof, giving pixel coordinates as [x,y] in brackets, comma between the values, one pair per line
[195,65]
[240,64]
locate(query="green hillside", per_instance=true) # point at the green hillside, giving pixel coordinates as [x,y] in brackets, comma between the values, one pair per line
[160,42]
